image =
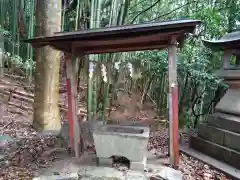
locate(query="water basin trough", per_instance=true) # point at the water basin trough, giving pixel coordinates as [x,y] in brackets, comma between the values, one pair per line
[126,141]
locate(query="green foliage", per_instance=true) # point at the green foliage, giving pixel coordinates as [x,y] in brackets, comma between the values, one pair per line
[196,64]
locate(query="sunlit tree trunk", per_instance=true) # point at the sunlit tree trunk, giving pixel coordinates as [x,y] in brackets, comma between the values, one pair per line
[46,110]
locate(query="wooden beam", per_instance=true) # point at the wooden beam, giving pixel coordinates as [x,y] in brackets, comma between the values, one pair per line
[114,49]
[79,51]
[74,129]
[157,37]
[173,104]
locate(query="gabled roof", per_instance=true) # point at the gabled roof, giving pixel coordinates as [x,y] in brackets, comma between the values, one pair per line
[147,36]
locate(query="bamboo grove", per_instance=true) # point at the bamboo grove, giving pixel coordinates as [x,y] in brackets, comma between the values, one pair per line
[144,72]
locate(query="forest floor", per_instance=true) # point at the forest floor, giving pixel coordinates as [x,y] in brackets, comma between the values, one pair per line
[31,152]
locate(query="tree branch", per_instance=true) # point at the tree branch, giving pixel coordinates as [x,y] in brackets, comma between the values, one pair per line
[175,10]
[136,5]
[145,10]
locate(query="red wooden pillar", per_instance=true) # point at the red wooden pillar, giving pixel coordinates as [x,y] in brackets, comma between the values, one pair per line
[74,129]
[173,104]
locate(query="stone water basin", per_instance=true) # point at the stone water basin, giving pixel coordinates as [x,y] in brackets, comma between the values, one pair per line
[126,141]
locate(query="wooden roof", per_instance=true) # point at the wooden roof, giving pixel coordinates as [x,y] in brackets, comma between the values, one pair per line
[228,41]
[147,36]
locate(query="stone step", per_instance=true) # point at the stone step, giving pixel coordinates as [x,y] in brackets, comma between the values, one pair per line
[229,103]
[225,121]
[219,136]
[214,150]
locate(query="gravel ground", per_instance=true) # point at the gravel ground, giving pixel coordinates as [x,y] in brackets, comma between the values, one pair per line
[29,154]
[32,152]
[192,168]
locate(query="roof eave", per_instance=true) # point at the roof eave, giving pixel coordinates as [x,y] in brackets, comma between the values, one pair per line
[221,45]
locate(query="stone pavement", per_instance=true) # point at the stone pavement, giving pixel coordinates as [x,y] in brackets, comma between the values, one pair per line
[107,173]
[85,169]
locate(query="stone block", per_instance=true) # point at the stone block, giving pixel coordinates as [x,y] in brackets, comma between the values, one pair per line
[225,121]
[126,141]
[211,133]
[230,103]
[138,166]
[232,140]
[105,162]
[219,136]
[214,150]
[87,127]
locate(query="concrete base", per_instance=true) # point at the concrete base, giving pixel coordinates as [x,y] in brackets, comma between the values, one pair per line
[135,166]
[138,166]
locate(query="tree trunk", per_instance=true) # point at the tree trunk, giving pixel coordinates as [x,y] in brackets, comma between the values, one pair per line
[1,56]
[46,110]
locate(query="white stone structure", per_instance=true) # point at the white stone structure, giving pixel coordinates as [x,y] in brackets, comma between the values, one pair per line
[126,141]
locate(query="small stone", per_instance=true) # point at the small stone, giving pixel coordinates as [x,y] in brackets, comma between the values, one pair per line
[5,138]
[2,157]
[3,145]
[5,141]
[153,151]
[206,166]
[156,178]
[150,170]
